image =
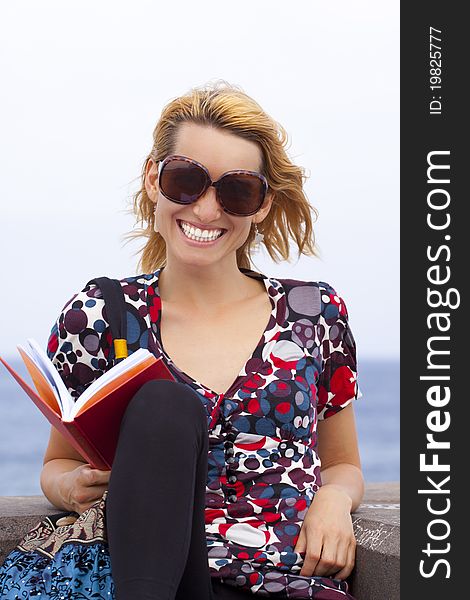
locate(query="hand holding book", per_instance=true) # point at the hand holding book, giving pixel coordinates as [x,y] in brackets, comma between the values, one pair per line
[82,487]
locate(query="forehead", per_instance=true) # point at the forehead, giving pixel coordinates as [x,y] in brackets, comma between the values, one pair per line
[217,149]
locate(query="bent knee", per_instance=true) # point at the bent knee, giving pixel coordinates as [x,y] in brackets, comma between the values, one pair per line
[164,397]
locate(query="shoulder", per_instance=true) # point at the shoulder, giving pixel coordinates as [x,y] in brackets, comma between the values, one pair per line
[90,298]
[313,299]
[80,342]
[134,287]
[83,317]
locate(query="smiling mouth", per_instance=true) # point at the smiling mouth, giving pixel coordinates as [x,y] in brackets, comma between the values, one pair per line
[196,234]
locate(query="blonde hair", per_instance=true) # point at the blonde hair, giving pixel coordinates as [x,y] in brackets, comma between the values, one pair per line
[227,107]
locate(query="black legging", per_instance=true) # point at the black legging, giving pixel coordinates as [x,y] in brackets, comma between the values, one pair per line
[156,499]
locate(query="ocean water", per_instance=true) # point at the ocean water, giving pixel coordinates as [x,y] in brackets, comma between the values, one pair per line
[24,431]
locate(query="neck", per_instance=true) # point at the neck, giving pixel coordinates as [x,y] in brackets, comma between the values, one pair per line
[203,288]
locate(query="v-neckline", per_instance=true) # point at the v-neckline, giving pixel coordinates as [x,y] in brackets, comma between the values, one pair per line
[271,327]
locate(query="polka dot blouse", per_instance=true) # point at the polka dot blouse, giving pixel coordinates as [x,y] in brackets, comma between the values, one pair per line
[263,465]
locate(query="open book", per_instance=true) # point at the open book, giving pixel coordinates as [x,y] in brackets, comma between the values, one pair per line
[91,423]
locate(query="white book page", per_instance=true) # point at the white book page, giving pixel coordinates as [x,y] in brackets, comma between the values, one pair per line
[135,358]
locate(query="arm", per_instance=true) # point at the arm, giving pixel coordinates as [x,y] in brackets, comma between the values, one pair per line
[339,454]
[327,535]
[67,480]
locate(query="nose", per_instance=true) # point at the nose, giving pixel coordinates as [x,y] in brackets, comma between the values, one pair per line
[207,207]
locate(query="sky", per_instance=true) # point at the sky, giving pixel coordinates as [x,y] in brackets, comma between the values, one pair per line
[84,84]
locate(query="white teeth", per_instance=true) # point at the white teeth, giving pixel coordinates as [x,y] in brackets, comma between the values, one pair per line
[200,235]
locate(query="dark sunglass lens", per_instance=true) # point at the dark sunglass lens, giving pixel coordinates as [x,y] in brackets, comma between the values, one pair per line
[182,181]
[242,194]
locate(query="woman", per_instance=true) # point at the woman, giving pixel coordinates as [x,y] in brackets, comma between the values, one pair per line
[215,491]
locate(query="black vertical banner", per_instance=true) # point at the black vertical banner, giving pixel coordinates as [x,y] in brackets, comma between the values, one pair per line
[435,322]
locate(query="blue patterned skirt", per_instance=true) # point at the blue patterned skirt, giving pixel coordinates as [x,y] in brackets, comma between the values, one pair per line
[62,557]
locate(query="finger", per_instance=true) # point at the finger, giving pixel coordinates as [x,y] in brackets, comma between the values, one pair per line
[301,542]
[100,476]
[95,476]
[350,562]
[341,557]
[85,475]
[91,494]
[312,556]
[327,563]
[97,491]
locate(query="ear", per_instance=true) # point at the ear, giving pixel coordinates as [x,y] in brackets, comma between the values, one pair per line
[151,184]
[264,210]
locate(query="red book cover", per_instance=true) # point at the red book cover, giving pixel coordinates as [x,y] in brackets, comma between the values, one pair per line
[94,430]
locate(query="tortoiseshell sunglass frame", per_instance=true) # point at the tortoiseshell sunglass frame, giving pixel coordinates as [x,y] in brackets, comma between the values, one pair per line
[215,184]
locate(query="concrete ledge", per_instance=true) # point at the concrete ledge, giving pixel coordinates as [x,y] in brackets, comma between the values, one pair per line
[376,525]
[377,528]
[19,514]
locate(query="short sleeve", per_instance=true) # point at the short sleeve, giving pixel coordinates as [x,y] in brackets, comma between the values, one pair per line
[80,340]
[337,383]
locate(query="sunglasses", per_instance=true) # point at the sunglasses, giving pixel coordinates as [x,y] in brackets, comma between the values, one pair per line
[184,180]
